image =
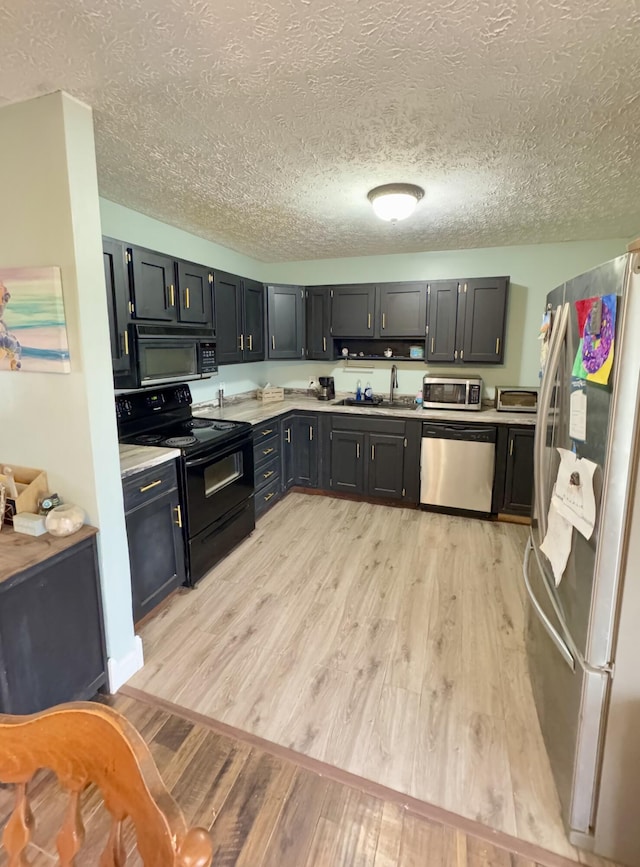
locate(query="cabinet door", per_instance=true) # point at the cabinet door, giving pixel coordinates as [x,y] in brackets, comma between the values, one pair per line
[156,552]
[117,281]
[318,312]
[402,309]
[305,450]
[347,458]
[483,305]
[195,294]
[519,472]
[352,310]
[288,469]
[253,321]
[227,300]
[442,307]
[154,285]
[385,465]
[285,321]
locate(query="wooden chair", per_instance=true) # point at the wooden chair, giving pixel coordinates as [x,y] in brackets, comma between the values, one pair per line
[85,743]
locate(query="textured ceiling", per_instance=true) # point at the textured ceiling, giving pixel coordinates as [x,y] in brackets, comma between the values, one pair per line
[262,125]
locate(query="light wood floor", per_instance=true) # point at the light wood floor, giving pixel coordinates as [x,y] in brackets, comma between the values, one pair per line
[387,642]
[264,810]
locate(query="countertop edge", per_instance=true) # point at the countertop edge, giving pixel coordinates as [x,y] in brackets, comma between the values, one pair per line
[134,459]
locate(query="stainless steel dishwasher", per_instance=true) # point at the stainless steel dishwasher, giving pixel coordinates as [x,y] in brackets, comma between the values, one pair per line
[457,463]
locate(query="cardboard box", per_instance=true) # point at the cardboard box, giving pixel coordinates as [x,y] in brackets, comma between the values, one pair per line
[270,395]
[32,485]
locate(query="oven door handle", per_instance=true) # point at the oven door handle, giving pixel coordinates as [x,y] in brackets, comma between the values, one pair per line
[218,455]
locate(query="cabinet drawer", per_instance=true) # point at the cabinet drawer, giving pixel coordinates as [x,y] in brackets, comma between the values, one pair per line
[148,484]
[360,424]
[267,474]
[265,431]
[266,450]
[265,498]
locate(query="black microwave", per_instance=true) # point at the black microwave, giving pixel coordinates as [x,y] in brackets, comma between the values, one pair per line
[163,354]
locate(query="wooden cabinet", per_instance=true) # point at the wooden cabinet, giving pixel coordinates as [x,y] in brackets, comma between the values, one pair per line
[466,320]
[153,284]
[51,629]
[353,310]
[117,283]
[154,529]
[318,343]
[385,476]
[401,310]
[347,461]
[267,454]
[239,309]
[300,450]
[513,488]
[195,293]
[285,322]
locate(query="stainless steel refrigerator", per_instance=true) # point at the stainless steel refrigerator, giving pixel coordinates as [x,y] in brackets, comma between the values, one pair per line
[583,637]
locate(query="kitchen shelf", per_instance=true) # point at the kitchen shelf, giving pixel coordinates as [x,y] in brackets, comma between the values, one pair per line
[379,358]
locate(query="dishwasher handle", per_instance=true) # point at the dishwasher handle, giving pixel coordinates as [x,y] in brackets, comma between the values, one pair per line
[469,433]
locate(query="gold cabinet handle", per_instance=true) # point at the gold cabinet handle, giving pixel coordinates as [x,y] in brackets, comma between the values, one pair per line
[510,448]
[268,497]
[288,434]
[324,344]
[368,320]
[125,335]
[310,433]
[357,450]
[266,451]
[384,319]
[373,453]
[497,346]
[268,475]
[455,355]
[178,512]
[152,485]
[242,342]
[273,341]
[172,296]
[250,342]
[265,433]
[186,292]
[433,345]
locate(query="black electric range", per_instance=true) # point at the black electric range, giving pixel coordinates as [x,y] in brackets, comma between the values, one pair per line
[216,469]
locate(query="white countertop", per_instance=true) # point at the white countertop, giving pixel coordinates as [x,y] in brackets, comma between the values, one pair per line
[133,458]
[255,412]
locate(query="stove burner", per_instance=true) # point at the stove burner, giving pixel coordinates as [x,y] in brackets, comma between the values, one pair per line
[180,442]
[149,439]
[222,425]
[197,422]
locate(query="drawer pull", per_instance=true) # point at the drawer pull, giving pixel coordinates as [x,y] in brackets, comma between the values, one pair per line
[250,343]
[268,497]
[310,433]
[125,334]
[497,346]
[152,485]
[433,345]
[384,321]
[265,433]
[288,434]
[358,450]
[266,451]
[268,475]
[273,341]
[368,320]
[172,293]
[242,342]
[324,344]
[373,453]
[187,305]
[178,512]
[510,448]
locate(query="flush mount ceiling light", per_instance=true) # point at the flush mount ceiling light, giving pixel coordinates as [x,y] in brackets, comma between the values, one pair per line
[393,202]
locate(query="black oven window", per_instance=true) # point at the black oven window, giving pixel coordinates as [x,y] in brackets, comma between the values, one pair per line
[448,393]
[169,361]
[222,473]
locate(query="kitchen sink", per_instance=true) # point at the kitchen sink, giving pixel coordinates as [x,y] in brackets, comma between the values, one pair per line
[376,403]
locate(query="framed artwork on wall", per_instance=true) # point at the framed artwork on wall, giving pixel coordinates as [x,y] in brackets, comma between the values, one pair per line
[33,327]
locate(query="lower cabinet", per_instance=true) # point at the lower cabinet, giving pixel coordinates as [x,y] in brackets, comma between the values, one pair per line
[267,457]
[513,491]
[300,450]
[347,462]
[385,465]
[154,530]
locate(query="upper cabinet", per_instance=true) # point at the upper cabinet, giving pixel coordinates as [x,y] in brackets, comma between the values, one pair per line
[195,293]
[402,310]
[318,315]
[239,310]
[353,310]
[115,276]
[466,320]
[285,321]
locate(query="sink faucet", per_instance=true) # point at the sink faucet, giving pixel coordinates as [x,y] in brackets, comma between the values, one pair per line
[394,382]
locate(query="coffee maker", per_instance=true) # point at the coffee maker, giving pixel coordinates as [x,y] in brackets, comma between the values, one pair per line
[327,389]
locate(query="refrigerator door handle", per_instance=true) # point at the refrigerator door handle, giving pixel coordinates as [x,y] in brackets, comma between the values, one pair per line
[553,633]
[546,390]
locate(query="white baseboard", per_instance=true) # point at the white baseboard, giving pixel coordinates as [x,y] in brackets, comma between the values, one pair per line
[120,670]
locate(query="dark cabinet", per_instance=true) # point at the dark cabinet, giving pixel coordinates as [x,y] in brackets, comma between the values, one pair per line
[402,310]
[267,457]
[385,465]
[195,293]
[483,314]
[300,450]
[239,310]
[153,285]
[117,282]
[352,310]
[466,320]
[285,321]
[318,314]
[154,530]
[513,487]
[51,631]
[347,460]
[442,312]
